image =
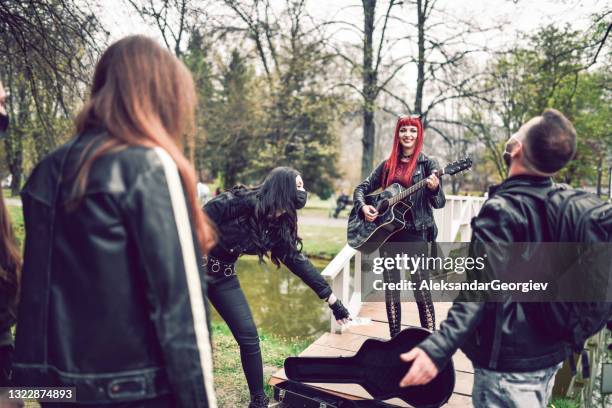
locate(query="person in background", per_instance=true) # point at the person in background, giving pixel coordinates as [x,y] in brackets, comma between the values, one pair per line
[341,202]
[10,265]
[203,192]
[113,294]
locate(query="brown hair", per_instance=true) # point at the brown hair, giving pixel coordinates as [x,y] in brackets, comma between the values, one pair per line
[10,257]
[143,95]
[550,143]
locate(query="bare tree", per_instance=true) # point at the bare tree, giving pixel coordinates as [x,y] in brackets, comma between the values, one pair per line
[442,47]
[47,50]
[174,19]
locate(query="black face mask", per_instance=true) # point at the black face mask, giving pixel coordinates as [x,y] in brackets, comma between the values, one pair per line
[302,197]
[4,123]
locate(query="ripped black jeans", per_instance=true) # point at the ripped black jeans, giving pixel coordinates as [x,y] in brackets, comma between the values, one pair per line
[227,297]
[391,248]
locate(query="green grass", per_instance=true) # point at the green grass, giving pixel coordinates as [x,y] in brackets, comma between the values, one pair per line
[16,214]
[230,384]
[322,242]
[564,403]
[315,202]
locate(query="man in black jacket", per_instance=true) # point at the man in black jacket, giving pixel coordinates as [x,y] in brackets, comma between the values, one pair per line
[514,364]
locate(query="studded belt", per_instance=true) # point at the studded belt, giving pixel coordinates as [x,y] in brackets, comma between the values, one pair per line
[215,266]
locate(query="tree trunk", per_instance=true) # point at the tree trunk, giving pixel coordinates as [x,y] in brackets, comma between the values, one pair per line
[599,175]
[418,100]
[368,143]
[17,172]
[13,146]
[369,89]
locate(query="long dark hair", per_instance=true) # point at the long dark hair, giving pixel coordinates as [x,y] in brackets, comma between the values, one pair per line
[274,210]
[142,95]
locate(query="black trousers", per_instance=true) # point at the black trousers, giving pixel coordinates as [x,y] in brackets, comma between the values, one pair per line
[418,243]
[227,297]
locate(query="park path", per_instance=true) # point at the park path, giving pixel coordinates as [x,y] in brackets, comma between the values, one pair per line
[322,221]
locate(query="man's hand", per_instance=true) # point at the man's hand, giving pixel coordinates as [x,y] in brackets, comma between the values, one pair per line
[369,212]
[433,182]
[422,371]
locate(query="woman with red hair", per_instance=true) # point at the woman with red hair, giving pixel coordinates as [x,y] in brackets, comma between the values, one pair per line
[406,165]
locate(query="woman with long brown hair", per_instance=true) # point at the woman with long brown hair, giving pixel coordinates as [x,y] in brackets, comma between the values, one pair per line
[10,264]
[406,165]
[112,289]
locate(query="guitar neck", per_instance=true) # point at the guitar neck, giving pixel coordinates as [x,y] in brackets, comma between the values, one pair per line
[411,190]
[323,369]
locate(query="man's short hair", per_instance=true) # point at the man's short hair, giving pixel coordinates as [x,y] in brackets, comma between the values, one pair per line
[551,143]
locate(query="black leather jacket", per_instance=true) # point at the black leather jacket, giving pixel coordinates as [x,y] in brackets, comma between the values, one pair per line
[231,216]
[505,217]
[112,294]
[423,200]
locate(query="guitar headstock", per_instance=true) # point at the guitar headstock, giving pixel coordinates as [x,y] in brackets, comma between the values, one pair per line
[457,166]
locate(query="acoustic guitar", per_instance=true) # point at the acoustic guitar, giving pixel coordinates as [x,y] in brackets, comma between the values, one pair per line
[392,205]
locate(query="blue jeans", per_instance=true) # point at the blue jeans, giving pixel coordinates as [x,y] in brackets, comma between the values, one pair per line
[531,389]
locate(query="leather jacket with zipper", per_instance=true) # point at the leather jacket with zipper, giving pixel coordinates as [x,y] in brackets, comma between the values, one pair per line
[423,200]
[232,215]
[112,295]
[498,336]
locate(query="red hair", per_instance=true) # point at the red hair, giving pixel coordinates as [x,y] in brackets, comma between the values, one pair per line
[391,170]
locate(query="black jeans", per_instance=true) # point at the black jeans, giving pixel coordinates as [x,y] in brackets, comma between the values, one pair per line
[227,297]
[427,315]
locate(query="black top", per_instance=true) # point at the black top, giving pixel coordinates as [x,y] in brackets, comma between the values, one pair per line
[111,291]
[423,200]
[232,216]
[507,216]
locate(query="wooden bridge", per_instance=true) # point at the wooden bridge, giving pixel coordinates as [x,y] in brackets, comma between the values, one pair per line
[344,271]
[347,343]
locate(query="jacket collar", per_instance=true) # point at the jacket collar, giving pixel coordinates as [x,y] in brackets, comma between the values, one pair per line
[521,180]
[422,158]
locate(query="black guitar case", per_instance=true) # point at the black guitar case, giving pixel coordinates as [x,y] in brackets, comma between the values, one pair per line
[293,394]
[378,369]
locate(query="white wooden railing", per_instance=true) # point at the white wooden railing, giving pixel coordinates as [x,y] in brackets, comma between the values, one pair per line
[453,223]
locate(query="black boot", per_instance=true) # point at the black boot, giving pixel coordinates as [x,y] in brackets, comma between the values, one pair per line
[259,401]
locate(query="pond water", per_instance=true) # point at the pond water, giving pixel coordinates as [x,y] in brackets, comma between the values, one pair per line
[281,303]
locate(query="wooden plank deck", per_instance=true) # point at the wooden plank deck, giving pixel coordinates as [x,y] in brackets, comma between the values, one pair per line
[347,343]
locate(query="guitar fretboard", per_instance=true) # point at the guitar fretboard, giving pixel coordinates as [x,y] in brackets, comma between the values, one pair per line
[411,190]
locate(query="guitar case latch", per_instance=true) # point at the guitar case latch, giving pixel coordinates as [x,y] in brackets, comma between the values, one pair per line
[281,395]
[322,405]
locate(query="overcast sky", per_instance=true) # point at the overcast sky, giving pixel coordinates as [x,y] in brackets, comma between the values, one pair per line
[524,15]
[520,16]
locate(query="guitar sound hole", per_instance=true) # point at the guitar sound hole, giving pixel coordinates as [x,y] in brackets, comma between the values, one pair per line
[383,207]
